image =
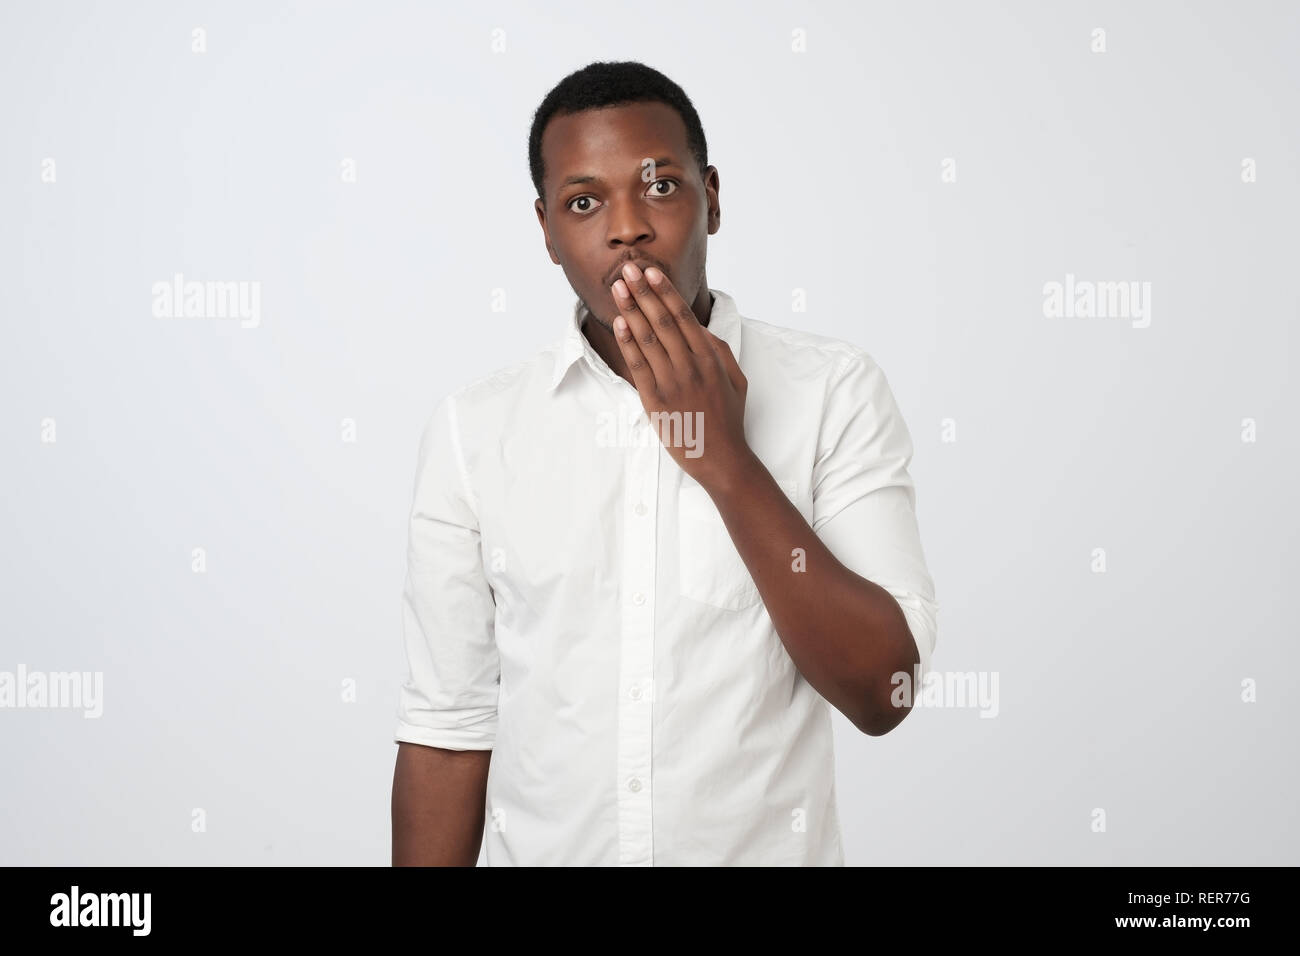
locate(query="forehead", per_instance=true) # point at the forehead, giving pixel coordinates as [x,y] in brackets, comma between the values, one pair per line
[602,140]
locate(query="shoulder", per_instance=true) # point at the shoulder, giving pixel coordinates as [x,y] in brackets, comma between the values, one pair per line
[805,352]
[497,390]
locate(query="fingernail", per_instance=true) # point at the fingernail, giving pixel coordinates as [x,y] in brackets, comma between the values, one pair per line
[631,271]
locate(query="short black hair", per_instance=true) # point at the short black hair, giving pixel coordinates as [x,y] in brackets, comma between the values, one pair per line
[613,83]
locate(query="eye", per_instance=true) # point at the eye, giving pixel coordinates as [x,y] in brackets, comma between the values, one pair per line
[588,199]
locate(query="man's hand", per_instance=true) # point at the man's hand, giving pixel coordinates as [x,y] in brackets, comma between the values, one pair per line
[690,384]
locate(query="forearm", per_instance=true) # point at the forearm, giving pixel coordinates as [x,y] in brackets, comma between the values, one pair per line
[438,805]
[845,634]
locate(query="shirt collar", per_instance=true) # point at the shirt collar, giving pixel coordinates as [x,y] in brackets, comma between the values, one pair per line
[724,322]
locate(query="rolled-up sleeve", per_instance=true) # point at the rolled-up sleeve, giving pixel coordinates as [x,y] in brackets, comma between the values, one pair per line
[864,502]
[450,697]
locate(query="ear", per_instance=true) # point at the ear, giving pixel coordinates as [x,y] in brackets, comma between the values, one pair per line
[712,184]
[540,208]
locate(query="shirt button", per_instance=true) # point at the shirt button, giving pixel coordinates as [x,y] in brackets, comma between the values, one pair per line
[638,598]
[640,509]
[636,693]
[634,784]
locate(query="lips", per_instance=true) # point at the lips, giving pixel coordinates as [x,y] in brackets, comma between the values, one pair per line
[640,263]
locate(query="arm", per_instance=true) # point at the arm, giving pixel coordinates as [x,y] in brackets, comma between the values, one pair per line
[847,635]
[849,595]
[447,708]
[439,797]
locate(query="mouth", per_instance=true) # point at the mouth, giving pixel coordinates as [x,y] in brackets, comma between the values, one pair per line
[640,263]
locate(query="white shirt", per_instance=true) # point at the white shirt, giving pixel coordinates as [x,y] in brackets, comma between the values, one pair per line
[574,603]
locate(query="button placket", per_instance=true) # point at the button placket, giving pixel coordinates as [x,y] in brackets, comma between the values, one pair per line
[636,668]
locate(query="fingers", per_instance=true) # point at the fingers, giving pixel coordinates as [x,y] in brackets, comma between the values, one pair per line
[643,376]
[687,323]
[738,380]
[653,324]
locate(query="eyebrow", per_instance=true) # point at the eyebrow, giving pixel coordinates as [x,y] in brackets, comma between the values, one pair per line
[579,180]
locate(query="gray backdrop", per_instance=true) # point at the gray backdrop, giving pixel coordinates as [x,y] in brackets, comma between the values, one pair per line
[1102,493]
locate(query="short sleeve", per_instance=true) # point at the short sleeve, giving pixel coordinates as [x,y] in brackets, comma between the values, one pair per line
[864,502]
[448,613]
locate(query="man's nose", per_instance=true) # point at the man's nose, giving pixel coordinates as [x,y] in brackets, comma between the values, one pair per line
[628,223]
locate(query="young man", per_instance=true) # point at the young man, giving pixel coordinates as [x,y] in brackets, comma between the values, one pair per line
[646,562]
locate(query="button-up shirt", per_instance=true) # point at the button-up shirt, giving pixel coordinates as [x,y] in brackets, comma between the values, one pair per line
[574,603]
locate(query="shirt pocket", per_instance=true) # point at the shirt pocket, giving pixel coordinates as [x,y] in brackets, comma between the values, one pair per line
[710,568]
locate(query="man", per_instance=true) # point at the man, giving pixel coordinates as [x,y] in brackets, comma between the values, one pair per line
[646,562]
